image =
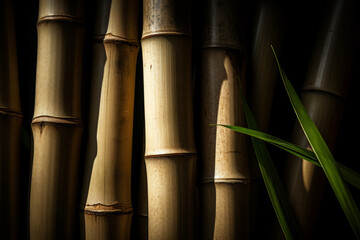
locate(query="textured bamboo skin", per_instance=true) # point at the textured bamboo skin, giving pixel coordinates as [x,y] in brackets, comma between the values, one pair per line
[57,124]
[224,188]
[170,154]
[108,201]
[324,95]
[98,63]
[226,172]
[10,125]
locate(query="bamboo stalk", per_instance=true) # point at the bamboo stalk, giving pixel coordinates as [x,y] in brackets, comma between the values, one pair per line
[108,208]
[170,153]
[224,188]
[10,126]
[56,124]
[268,29]
[324,94]
[101,16]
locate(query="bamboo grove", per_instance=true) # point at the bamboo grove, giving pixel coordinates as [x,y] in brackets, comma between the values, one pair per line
[107,106]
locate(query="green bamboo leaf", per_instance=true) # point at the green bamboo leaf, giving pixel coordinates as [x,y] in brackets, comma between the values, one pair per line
[284,213]
[348,174]
[324,156]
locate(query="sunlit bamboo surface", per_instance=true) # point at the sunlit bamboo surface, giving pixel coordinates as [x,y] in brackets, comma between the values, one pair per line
[108,208]
[225,179]
[57,125]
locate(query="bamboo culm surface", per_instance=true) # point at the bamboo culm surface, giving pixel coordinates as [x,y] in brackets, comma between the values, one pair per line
[170,154]
[10,126]
[267,29]
[224,186]
[57,125]
[324,94]
[108,209]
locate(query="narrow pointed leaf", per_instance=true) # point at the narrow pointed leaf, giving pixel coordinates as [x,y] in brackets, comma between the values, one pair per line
[348,174]
[272,182]
[324,156]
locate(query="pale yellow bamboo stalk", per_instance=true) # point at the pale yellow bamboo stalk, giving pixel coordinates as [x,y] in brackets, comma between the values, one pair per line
[108,208]
[10,125]
[170,153]
[57,123]
[225,182]
[100,24]
[324,94]
[101,16]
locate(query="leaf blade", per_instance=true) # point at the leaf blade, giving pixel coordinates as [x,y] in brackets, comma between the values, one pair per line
[348,174]
[323,154]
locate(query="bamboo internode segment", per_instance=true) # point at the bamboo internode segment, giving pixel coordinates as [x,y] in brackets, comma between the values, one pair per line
[117,87]
[224,152]
[10,126]
[109,190]
[171,196]
[98,62]
[224,24]
[267,30]
[168,95]
[324,94]
[56,125]
[225,179]
[170,153]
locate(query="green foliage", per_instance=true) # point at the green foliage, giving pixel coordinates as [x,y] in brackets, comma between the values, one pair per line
[321,156]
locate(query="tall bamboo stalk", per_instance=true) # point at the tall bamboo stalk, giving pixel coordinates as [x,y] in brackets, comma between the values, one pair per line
[108,206]
[56,125]
[170,154]
[324,94]
[224,189]
[267,29]
[101,19]
[100,25]
[10,125]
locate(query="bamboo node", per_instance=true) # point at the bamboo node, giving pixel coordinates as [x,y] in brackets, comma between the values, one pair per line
[10,113]
[228,180]
[165,33]
[169,155]
[61,18]
[109,37]
[104,210]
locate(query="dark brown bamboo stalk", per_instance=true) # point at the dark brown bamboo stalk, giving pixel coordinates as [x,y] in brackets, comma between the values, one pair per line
[10,126]
[141,227]
[267,29]
[108,209]
[57,125]
[225,182]
[170,153]
[324,94]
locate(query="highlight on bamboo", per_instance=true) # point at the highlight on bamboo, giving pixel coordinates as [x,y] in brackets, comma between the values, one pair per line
[121,122]
[225,179]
